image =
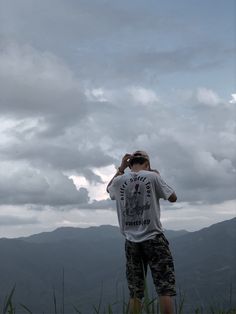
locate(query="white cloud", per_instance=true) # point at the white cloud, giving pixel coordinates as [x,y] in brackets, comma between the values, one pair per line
[143,95]
[233,100]
[96,94]
[208,97]
[97,191]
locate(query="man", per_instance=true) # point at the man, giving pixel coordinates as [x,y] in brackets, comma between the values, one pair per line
[137,195]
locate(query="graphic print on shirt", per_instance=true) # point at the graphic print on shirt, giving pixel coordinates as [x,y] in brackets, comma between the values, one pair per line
[135,195]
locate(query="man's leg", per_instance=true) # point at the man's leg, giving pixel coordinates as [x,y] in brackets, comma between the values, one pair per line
[136,269]
[162,267]
[135,306]
[166,305]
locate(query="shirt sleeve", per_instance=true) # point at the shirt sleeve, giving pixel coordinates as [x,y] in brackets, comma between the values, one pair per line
[111,192]
[163,189]
[113,188]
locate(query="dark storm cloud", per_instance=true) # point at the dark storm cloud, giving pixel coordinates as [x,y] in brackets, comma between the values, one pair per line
[151,64]
[42,94]
[130,118]
[74,97]
[59,155]
[77,21]
[38,85]
[22,184]
[196,174]
[119,41]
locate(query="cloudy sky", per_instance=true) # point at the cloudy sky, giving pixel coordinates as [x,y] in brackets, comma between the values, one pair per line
[84,82]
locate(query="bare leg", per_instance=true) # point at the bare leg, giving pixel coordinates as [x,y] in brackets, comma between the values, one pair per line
[166,304]
[135,306]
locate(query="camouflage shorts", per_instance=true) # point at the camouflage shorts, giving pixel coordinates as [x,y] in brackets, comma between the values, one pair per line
[157,255]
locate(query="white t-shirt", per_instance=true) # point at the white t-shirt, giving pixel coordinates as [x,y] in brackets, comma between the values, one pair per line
[137,197]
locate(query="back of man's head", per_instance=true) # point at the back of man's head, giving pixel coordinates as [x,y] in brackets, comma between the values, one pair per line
[139,157]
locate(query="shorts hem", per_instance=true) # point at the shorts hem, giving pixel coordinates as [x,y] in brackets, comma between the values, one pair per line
[169,294]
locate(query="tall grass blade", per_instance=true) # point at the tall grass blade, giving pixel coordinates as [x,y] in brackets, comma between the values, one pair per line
[63,291]
[8,303]
[110,309]
[54,301]
[77,310]
[230,294]
[11,309]
[26,308]
[125,306]
[151,306]
[180,306]
[97,310]
[176,306]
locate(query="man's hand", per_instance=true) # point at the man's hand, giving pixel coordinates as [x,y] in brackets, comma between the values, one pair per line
[125,162]
[172,198]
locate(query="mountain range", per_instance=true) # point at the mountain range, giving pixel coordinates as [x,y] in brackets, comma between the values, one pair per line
[80,265]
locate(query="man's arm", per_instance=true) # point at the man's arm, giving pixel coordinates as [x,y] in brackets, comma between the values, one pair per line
[118,173]
[173,197]
[121,169]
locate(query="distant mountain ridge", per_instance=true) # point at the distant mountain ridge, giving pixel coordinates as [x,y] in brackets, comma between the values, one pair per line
[209,255]
[72,233]
[93,259]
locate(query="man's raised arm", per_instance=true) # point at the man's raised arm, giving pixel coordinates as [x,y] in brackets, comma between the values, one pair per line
[121,169]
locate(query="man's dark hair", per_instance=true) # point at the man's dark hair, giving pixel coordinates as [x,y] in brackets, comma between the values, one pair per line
[137,160]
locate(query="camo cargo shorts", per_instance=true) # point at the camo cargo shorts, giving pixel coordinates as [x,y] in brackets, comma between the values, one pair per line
[157,255]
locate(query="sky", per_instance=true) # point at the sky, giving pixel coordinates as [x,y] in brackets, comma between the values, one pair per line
[84,82]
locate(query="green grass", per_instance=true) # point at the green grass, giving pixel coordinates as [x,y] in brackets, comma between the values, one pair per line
[150,306]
